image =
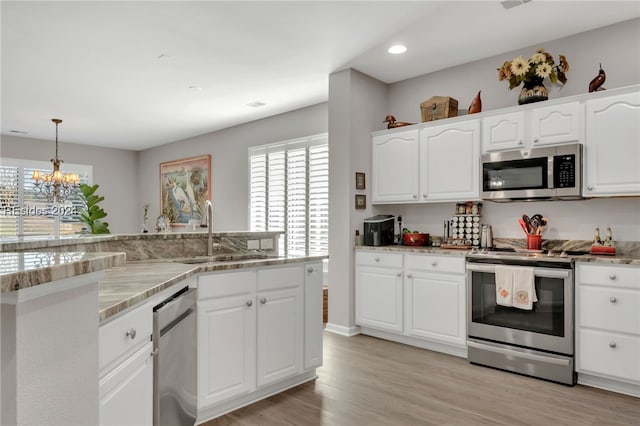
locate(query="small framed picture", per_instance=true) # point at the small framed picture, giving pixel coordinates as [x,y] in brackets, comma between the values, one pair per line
[361,201]
[360,180]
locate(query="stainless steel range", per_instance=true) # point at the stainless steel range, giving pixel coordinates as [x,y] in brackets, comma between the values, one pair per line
[536,342]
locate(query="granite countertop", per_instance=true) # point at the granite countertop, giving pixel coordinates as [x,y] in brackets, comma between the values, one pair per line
[134,282]
[24,270]
[620,259]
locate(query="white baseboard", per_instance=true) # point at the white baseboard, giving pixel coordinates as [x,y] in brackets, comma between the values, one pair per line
[609,384]
[342,330]
[432,345]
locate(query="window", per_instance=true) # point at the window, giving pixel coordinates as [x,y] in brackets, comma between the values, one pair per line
[24,214]
[289,191]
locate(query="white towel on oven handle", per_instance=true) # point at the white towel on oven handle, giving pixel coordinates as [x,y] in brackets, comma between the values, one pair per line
[524,288]
[504,285]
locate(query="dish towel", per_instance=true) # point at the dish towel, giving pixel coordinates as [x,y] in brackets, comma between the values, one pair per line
[524,288]
[504,285]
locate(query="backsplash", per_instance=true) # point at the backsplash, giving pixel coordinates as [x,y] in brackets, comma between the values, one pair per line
[567,220]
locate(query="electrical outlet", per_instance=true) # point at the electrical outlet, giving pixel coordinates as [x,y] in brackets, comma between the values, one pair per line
[266,244]
[253,244]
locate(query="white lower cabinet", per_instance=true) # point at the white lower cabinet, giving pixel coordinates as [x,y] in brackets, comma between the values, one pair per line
[126,369]
[608,326]
[255,333]
[417,299]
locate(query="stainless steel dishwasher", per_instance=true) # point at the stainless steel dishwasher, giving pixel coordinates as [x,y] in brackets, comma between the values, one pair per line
[174,370]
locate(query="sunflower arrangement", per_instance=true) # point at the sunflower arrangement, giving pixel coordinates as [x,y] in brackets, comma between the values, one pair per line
[534,70]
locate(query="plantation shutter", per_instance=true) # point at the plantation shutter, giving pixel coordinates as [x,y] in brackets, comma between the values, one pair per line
[30,215]
[289,191]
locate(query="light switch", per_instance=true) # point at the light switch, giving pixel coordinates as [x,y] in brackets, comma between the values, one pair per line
[266,244]
[253,244]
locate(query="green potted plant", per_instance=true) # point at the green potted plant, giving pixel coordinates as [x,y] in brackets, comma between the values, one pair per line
[92,213]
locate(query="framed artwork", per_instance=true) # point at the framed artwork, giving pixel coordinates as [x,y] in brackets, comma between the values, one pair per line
[361,201]
[184,187]
[360,184]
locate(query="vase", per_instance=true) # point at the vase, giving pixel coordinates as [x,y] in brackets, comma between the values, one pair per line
[533,91]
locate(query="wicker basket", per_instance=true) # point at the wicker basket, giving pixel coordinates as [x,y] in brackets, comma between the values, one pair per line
[439,107]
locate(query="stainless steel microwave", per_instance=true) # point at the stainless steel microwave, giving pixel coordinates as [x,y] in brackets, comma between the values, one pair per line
[551,173]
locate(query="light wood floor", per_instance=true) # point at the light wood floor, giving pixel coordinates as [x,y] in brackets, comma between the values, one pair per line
[368,381]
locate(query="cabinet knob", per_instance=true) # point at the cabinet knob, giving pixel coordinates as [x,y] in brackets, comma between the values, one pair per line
[249,303]
[612,276]
[613,300]
[612,344]
[535,140]
[310,269]
[415,196]
[520,142]
[589,187]
[131,333]
[155,352]
[424,195]
[377,259]
[409,275]
[434,264]
[263,300]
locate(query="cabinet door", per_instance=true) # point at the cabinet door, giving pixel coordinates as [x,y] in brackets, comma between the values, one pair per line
[226,348]
[395,167]
[556,124]
[379,298]
[504,131]
[449,160]
[435,306]
[126,392]
[313,316]
[280,339]
[612,151]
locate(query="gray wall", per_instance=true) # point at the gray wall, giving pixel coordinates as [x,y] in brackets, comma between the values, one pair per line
[115,170]
[229,163]
[616,46]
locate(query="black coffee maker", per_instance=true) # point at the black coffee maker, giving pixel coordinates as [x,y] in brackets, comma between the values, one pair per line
[378,230]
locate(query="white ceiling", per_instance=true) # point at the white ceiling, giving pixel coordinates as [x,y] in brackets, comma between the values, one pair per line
[97,65]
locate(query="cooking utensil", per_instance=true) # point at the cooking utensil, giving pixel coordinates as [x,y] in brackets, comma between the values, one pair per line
[523,225]
[526,219]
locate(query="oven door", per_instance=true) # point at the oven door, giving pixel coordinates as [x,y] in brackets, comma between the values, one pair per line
[547,327]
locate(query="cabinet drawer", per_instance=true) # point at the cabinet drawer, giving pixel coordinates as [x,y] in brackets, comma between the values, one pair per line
[612,309]
[281,277]
[387,260]
[431,263]
[609,275]
[226,284]
[125,334]
[611,354]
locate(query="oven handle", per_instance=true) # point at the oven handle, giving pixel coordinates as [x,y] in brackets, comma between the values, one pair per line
[532,357]
[538,272]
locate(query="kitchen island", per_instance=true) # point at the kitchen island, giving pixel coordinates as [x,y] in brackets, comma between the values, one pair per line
[56,303]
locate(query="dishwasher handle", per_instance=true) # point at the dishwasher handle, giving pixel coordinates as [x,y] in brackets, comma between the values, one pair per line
[173,310]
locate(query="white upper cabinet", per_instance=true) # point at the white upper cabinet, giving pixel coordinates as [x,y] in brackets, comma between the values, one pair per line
[450,162]
[550,125]
[395,167]
[612,146]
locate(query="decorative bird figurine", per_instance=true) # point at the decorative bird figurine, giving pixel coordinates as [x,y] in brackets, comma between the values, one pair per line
[476,104]
[391,120]
[598,81]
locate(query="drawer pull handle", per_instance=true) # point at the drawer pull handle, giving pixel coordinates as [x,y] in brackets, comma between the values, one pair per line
[263,300]
[612,276]
[155,352]
[377,259]
[131,333]
[249,303]
[613,300]
[612,345]
[310,270]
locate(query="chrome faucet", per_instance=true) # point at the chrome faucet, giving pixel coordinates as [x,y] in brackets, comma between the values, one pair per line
[208,208]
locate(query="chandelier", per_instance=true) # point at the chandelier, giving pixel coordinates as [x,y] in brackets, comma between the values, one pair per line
[55,187]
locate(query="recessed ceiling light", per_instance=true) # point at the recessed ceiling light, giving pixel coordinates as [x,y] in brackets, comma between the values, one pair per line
[20,132]
[256,104]
[397,49]
[195,88]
